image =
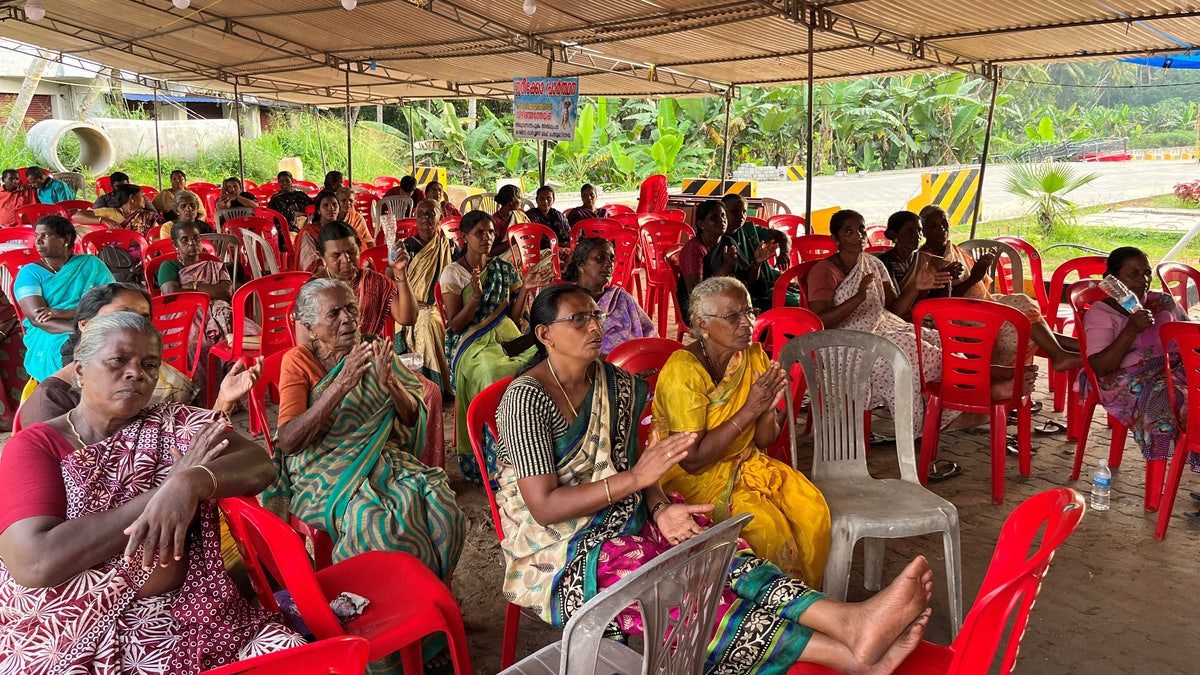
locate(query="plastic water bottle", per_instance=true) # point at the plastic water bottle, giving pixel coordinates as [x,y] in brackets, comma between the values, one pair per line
[1120,292]
[1101,486]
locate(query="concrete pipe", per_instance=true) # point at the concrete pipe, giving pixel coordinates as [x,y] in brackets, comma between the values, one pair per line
[96,146]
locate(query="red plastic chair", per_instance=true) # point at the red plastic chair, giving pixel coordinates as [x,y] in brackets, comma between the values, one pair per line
[792,225]
[376,256]
[643,355]
[481,414]
[1174,277]
[365,204]
[345,655]
[603,228]
[103,185]
[779,325]
[262,196]
[150,266]
[625,250]
[1010,586]
[158,248]
[1061,318]
[11,263]
[267,228]
[967,331]
[201,185]
[126,239]
[652,197]
[249,185]
[178,317]
[812,247]
[386,182]
[1186,336]
[29,215]
[73,206]
[617,210]
[754,220]
[799,274]
[451,228]
[400,614]
[17,237]
[526,242]
[1083,295]
[876,236]
[1033,269]
[675,214]
[149,192]
[266,385]
[274,295]
[662,283]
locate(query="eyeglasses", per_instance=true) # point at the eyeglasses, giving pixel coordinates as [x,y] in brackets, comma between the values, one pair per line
[581,319]
[736,317]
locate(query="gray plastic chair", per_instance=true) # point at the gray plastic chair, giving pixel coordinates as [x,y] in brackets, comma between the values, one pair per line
[677,594]
[400,206]
[480,202]
[977,247]
[223,215]
[772,207]
[259,254]
[229,249]
[837,367]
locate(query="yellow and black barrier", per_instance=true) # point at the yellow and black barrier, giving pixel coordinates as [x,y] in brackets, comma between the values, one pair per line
[954,191]
[424,174]
[712,187]
[795,172]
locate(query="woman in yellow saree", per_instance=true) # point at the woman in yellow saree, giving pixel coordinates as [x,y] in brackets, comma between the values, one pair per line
[431,252]
[724,388]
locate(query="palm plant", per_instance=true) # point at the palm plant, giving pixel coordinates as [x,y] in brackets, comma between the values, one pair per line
[1045,187]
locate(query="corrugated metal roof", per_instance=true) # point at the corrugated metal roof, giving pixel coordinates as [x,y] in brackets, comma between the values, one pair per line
[299,50]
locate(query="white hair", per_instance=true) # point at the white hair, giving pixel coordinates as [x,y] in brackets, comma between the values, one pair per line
[100,329]
[307,306]
[700,302]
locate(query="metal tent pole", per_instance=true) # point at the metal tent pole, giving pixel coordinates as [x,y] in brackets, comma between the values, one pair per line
[320,142]
[349,143]
[726,148]
[237,118]
[983,158]
[808,159]
[412,144]
[157,142]
[542,162]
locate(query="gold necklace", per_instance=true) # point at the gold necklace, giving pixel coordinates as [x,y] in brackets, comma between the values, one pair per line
[52,267]
[707,363]
[574,413]
[74,430]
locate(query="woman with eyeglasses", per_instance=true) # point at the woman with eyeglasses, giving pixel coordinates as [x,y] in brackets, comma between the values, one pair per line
[725,389]
[582,505]
[591,268]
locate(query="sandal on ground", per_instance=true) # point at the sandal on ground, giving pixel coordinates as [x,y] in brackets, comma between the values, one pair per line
[1013,447]
[1195,495]
[878,439]
[1035,408]
[1050,427]
[1193,516]
[941,469]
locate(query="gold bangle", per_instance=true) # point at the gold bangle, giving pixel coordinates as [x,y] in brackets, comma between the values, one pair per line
[657,507]
[211,475]
[736,425]
[607,492]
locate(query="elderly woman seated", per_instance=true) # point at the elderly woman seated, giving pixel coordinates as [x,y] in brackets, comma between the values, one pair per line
[582,506]
[350,430]
[109,534]
[430,252]
[1124,351]
[48,292]
[724,389]
[591,268]
[188,209]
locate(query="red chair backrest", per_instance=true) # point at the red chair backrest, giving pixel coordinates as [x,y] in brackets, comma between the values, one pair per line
[967,331]
[180,318]
[262,196]
[150,265]
[276,296]
[1033,267]
[345,655]
[73,206]
[1174,277]
[1087,267]
[793,225]
[652,197]
[625,249]
[782,324]
[248,184]
[799,274]
[596,227]
[364,203]
[18,237]
[267,380]
[208,197]
[451,228]
[876,236]
[269,545]
[201,185]
[280,222]
[103,185]
[267,228]
[386,182]
[158,248]
[754,220]
[617,210]
[633,220]
[644,354]
[1082,295]
[149,192]
[675,214]
[11,262]
[480,414]
[526,242]
[377,256]
[657,238]
[126,239]
[29,215]
[1014,578]
[812,247]
[405,228]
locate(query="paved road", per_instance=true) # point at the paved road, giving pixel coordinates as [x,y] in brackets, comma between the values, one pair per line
[877,195]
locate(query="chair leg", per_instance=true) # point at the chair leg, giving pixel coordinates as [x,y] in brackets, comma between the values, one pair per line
[1116,447]
[1024,437]
[999,452]
[930,436]
[873,548]
[211,385]
[837,565]
[1167,503]
[508,648]
[1156,471]
[410,659]
[953,552]
[1083,425]
[1060,390]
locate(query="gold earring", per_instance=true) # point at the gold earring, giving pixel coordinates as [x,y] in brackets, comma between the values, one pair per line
[704,335]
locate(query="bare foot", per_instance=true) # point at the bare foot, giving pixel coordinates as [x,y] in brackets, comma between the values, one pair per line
[903,646]
[876,623]
[1066,360]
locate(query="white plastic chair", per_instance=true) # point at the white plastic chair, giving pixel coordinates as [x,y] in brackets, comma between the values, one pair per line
[401,207]
[223,215]
[480,202]
[837,367]
[229,249]
[677,594]
[977,247]
[259,254]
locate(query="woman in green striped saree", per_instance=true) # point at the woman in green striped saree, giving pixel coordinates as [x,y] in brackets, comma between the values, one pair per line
[350,425]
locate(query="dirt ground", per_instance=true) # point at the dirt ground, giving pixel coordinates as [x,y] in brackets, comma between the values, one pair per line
[1115,600]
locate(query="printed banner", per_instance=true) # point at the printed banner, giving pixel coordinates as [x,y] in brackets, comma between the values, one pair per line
[545,108]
